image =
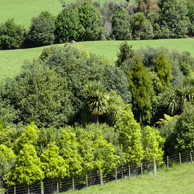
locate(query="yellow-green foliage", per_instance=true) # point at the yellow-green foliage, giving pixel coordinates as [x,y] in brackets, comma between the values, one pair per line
[96,152]
[7,159]
[27,170]
[130,136]
[68,148]
[53,165]
[152,144]
[164,69]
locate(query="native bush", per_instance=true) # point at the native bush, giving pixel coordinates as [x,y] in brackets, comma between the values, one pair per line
[42,30]
[121,25]
[68,26]
[91,21]
[11,35]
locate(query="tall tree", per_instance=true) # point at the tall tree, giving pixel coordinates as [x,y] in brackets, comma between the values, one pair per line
[68,26]
[91,20]
[174,18]
[141,87]
[163,69]
[121,25]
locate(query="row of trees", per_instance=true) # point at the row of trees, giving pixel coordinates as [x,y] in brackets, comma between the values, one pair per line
[30,154]
[81,21]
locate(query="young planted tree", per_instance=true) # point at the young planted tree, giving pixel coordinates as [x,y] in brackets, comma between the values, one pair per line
[32,172]
[7,160]
[53,165]
[130,136]
[152,144]
[68,149]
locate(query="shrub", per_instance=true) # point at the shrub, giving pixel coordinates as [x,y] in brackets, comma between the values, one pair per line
[11,35]
[42,30]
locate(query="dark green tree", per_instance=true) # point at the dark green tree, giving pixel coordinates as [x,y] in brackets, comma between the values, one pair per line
[174,18]
[184,131]
[114,78]
[141,87]
[163,69]
[68,26]
[91,20]
[42,30]
[121,25]
[11,35]
[40,95]
[125,53]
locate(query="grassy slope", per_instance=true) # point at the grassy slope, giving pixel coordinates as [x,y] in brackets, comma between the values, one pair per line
[12,60]
[178,179]
[23,10]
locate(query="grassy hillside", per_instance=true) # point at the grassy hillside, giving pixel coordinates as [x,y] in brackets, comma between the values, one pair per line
[12,60]
[178,179]
[23,10]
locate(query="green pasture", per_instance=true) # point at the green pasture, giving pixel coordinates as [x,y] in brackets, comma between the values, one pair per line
[11,61]
[23,10]
[176,180]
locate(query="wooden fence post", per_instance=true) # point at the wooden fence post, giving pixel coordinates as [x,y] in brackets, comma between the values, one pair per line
[129,171]
[141,170]
[86,180]
[101,178]
[73,185]
[191,157]
[28,190]
[14,189]
[42,187]
[180,158]
[116,174]
[167,161]
[57,187]
[154,167]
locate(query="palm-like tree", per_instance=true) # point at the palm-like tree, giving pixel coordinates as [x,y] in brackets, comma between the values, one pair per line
[97,99]
[139,20]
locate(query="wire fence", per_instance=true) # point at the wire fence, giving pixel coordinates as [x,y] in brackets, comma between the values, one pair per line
[79,182]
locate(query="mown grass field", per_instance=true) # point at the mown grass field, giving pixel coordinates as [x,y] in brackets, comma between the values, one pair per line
[11,61]
[23,10]
[177,180]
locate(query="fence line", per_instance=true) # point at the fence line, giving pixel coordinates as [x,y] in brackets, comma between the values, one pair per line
[79,182]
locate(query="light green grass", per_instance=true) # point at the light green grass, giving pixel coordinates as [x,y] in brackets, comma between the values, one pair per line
[12,60]
[178,180]
[23,10]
